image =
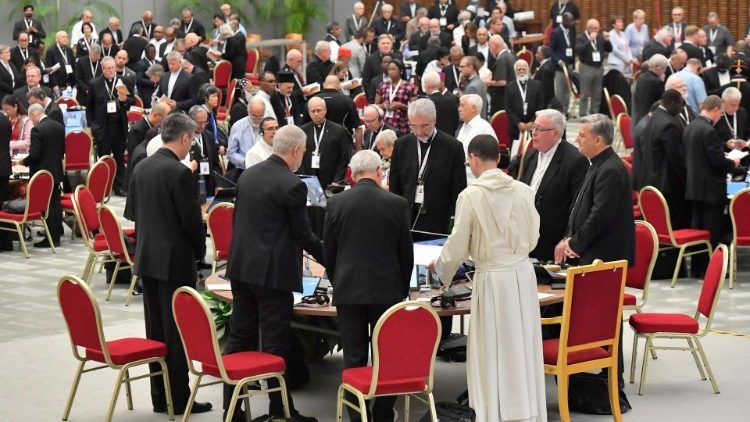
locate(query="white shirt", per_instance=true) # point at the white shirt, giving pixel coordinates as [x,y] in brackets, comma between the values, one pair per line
[258,153]
[267,101]
[485,50]
[543,160]
[172,80]
[467,132]
[157,44]
[724,78]
[155,143]
[76,33]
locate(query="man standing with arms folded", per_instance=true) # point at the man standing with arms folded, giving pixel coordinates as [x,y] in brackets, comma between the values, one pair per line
[590,48]
[265,262]
[368,277]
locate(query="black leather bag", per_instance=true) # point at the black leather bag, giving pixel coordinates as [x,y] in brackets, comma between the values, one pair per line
[451,412]
[589,393]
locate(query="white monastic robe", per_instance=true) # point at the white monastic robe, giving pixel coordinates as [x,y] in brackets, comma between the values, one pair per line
[497,225]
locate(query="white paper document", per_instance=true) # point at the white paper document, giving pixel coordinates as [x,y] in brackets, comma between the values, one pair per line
[543,296]
[424,254]
[736,153]
[212,287]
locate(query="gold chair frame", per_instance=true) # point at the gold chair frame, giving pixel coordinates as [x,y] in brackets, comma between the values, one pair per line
[19,225]
[733,246]
[638,307]
[118,260]
[214,265]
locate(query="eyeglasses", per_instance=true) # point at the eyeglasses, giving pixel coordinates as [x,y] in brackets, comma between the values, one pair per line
[539,129]
[421,127]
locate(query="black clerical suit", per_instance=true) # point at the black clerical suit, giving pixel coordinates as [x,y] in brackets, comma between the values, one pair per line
[446,106]
[108,118]
[447,11]
[452,78]
[545,75]
[184,91]
[444,177]
[711,80]
[265,263]
[134,47]
[292,106]
[46,152]
[193,26]
[136,133]
[391,26]
[116,35]
[334,147]
[555,195]
[367,277]
[63,56]
[169,240]
[648,90]
[85,73]
[18,57]
[706,185]
[6,242]
[744,87]
[340,109]
[10,80]
[200,77]
[34,37]
[664,164]
[53,111]
[514,104]
[728,129]
[368,138]
[317,70]
[146,88]
[236,53]
[654,47]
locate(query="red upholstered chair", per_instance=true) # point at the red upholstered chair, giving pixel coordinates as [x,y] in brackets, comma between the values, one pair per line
[118,252]
[251,64]
[526,55]
[38,194]
[84,322]
[500,124]
[198,332]
[222,112]
[590,329]
[78,144]
[639,276]
[134,116]
[87,217]
[97,180]
[360,100]
[112,166]
[623,126]
[636,208]
[618,106]
[222,74]
[396,370]
[656,211]
[138,101]
[219,223]
[739,210]
[68,101]
[680,326]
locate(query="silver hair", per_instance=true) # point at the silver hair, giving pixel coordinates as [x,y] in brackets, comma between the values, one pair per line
[713,15]
[174,55]
[257,100]
[35,109]
[155,69]
[601,125]
[175,126]
[464,16]
[557,118]
[423,107]
[195,110]
[386,137]
[430,78]
[4,47]
[108,59]
[322,46]
[95,48]
[673,80]
[731,93]
[287,138]
[663,33]
[365,161]
[658,60]
[475,101]
[226,31]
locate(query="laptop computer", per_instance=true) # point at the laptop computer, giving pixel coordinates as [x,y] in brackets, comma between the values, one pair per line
[316,195]
[309,284]
[74,120]
[418,277]
[734,187]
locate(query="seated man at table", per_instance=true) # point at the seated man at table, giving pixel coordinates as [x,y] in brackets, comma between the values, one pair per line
[367,277]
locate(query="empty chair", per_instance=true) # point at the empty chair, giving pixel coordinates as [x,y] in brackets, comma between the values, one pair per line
[739,209]
[118,251]
[38,194]
[639,276]
[219,222]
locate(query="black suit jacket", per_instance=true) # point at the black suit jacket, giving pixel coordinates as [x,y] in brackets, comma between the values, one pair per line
[451,14]
[96,107]
[21,92]
[60,77]
[452,78]
[267,245]
[601,222]
[446,106]
[170,236]
[377,271]
[546,76]
[555,195]
[134,46]
[118,34]
[148,30]
[664,155]
[648,90]
[236,52]
[335,151]
[514,104]
[706,165]
[17,59]
[54,112]
[20,26]
[146,88]
[444,178]
[198,55]
[134,158]
[136,133]
[298,110]
[396,29]
[47,148]
[418,41]
[726,132]
[317,70]
[654,47]
[368,138]
[5,167]
[200,77]
[184,90]
[196,28]
[406,10]
[8,82]
[695,52]
[84,78]
[711,80]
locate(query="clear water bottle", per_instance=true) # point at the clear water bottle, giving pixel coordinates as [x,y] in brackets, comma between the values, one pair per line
[68,92]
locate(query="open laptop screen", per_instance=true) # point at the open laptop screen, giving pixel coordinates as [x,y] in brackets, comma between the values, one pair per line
[315,193]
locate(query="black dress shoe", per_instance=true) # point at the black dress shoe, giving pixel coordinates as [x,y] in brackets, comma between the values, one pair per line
[197,408]
[239,416]
[296,417]
[45,244]
[120,192]
[203,265]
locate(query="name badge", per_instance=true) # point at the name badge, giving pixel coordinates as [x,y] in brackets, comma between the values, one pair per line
[568,52]
[111,106]
[419,196]
[68,69]
[316,161]
[389,114]
[677,45]
[709,63]
[712,48]
[204,168]
[596,56]
[525,108]
[558,19]
[290,120]
[45,78]
[443,22]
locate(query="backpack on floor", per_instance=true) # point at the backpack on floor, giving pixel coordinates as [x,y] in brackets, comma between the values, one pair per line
[451,412]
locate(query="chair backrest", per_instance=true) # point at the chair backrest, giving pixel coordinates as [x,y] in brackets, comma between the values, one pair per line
[112,166]
[623,124]
[571,87]
[68,101]
[113,234]
[360,100]
[39,193]
[608,99]
[548,34]
[134,116]
[526,145]
[219,223]
[500,124]
[82,317]
[97,181]
[656,211]
[222,74]
[138,101]
[78,146]
[197,329]
[618,105]
[229,98]
[252,60]
[592,308]
[86,212]
[739,209]
[407,323]
[646,251]
[526,55]
[712,284]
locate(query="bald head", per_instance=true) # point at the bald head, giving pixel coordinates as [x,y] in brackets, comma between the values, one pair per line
[332,82]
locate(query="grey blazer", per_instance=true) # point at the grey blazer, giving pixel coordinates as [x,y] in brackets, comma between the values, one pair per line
[723,39]
[477,86]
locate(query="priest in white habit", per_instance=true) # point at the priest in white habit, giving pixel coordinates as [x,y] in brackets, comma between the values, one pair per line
[497,225]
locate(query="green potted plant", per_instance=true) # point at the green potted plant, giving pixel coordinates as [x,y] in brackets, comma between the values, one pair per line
[296,13]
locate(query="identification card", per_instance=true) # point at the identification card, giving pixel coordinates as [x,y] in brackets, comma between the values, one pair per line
[443,22]
[111,106]
[525,108]
[290,120]
[558,19]
[709,63]
[419,197]
[677,45]
[45,78]
[713,49]
[316,161]
[204,168]
[596,56]
[568,52]
[389,114]
[68,69]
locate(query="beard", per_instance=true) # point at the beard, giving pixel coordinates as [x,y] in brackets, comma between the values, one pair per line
[523,78]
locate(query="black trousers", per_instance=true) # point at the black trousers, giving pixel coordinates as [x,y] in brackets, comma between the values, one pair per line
[160,326]
[114,143]
[679,211]
[356,322]
[269,310]
[54,216]
[711,217]
[6,237]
